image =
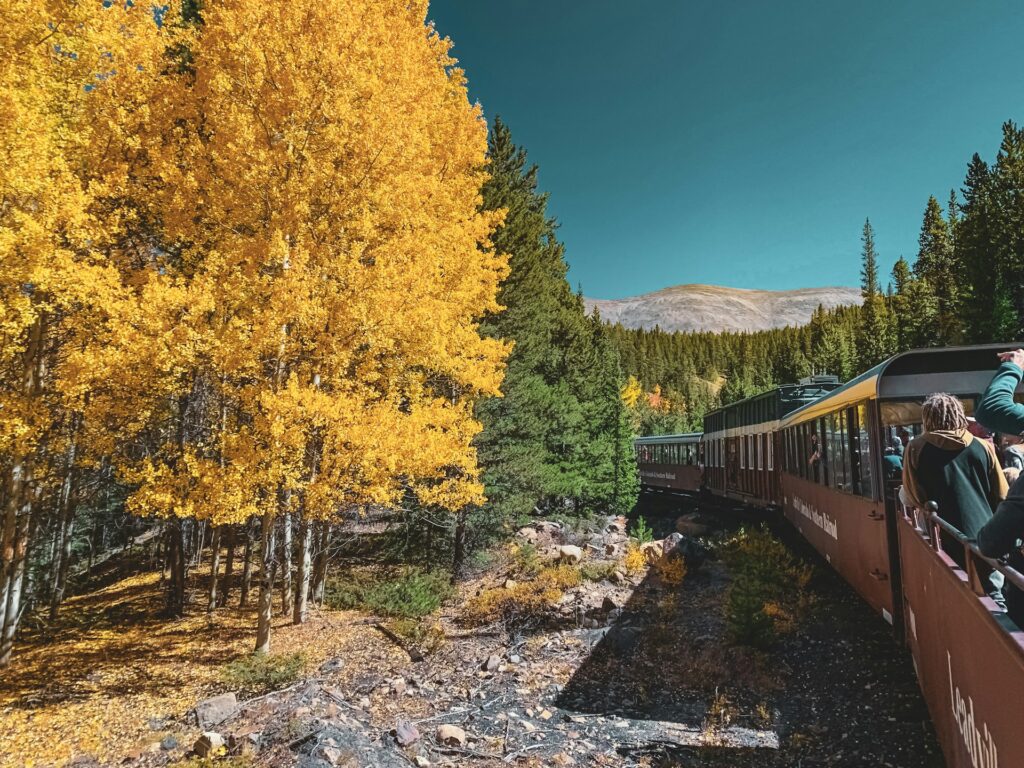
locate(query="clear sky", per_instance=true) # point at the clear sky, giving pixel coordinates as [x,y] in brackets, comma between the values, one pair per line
[741,143]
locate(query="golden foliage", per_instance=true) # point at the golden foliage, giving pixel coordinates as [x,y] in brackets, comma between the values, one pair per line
[118,662]
[635,560]
[671,570]
[524,601]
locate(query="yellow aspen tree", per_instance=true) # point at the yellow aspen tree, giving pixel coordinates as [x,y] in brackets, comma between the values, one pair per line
[317,170]
[65,70]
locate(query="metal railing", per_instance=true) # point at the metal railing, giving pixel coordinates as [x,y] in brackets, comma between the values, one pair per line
[928,525]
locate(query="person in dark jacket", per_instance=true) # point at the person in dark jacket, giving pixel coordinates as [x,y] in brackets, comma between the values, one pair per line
[951,467]
[1002,535]
[956,470]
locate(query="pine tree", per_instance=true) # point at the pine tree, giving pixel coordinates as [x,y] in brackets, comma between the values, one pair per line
[936,267]
[875,342]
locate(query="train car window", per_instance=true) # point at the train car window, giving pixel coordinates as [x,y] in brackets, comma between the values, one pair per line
[758,439]
[771,453]
[814,451]
[867,484]
[840,459]
[827,438]
[743,452]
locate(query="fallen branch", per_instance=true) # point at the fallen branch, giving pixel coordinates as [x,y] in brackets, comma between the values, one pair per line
[415,654]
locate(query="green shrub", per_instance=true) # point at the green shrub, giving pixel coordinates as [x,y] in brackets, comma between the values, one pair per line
[594,571]
[642,533]
[264,672]
[526,559]
[409,594]
[767,589]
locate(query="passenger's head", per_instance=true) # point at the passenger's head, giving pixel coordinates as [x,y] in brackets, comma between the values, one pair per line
[943,412]
[1011,474]
[890,451]
[1007,440]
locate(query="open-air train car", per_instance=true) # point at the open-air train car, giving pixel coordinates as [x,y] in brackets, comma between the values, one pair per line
[969,658]
[817,450]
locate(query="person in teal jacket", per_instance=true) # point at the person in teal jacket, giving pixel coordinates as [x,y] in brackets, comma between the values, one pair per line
[1003,534]
[997,409]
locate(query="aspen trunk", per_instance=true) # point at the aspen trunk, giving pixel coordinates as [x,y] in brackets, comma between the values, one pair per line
[302,578]
[243,599]
[287,596]
[176,556]
[459,554]
[320,563]
[211,602]
[266,598]
[65,528]
[229,566]
[18,545]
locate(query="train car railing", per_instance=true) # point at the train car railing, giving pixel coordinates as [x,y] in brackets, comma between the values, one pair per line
[968,655]
[929,524]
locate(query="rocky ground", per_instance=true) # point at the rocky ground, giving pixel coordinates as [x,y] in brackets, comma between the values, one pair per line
[626,671]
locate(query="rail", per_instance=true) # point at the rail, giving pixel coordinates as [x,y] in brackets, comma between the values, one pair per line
[928,524]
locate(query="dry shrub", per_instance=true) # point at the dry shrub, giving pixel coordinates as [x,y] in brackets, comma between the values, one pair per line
[671,570]
[524,603]
[424,636]
[634,561]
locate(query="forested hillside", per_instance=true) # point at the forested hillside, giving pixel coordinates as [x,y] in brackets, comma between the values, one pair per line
[964,285]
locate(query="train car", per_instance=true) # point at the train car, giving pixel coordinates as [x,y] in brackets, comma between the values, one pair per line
[835,490]
[671,462]
[740,443]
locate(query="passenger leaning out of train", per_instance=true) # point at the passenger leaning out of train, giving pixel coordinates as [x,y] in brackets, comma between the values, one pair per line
[1002,535]
[960,473]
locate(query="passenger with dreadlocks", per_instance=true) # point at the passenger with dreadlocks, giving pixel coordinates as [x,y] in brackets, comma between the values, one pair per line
[956,470]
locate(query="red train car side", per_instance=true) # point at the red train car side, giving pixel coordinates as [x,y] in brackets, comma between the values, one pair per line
[671,462]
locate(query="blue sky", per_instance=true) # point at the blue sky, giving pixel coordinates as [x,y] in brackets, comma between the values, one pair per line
[743,143]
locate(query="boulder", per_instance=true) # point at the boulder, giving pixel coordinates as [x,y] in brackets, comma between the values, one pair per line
[652,551]
[169,743]
[608,604]
[492,663]
[618,577]
[216,710]
[528,533]
[510,584]
[422,762]
[208,744]
[450,736]
[611,549]
[406,733]
[692,552]
[570,553]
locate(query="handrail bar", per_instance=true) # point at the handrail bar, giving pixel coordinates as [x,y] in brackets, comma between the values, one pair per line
[971,551]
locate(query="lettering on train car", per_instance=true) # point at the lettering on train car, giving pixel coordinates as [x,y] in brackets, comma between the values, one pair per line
[657,475]
[979,743]
[828,525]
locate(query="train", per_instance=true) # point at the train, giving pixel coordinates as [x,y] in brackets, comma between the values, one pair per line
[817,451]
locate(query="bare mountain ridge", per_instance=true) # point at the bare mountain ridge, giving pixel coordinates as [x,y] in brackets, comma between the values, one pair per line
[717,308]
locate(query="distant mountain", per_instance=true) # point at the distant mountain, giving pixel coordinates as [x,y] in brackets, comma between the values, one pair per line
[715,308]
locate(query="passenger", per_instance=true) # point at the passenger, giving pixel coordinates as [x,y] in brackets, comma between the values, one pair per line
[1011,474]
[904,436]
[979,431]
[1002,535]
[1013,452]
[960,473]
[893,463]
[997,409]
